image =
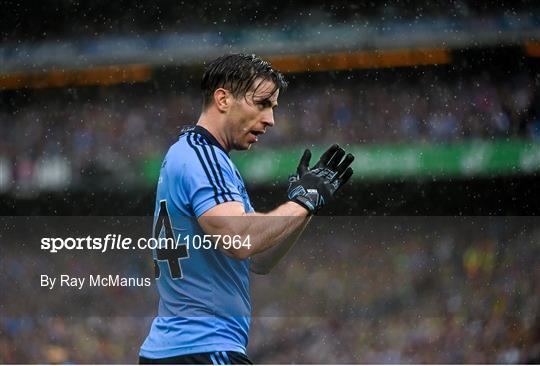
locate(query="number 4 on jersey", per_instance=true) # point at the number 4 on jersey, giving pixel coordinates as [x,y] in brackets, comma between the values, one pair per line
[169,253]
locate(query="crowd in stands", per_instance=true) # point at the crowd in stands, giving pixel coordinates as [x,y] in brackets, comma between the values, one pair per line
[111,133]
[378,290]
[86,19]
[427,109]
[459,294]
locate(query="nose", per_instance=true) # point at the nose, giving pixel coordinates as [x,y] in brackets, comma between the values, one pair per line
[268,118]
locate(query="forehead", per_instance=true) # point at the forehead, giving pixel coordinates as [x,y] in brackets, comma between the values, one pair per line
[262,89]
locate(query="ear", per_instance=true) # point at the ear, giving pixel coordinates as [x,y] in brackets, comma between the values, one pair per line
[222,99]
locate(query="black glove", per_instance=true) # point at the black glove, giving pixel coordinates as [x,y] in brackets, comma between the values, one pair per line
[312,188]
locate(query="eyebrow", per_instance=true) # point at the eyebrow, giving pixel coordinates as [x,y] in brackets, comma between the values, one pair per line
[267,101]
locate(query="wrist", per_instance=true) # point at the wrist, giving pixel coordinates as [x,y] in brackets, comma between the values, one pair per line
[303,204]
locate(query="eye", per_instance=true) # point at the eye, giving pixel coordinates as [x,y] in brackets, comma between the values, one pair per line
[264,104]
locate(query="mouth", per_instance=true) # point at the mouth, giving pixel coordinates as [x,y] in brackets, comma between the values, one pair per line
[254,135]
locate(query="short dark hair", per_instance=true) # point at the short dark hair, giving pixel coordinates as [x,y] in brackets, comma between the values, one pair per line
[237,73]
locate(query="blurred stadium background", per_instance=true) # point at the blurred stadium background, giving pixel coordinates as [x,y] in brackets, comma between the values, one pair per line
[439,100]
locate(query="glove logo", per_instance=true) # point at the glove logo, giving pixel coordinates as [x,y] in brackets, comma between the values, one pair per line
[298,191]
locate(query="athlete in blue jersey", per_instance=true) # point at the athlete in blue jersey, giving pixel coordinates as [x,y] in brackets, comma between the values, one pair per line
[202,205]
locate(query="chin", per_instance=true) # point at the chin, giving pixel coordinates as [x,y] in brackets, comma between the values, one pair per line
[242,147]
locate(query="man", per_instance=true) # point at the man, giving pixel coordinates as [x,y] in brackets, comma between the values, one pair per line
[204,310]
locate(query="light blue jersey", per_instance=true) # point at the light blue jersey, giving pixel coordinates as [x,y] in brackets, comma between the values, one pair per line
[204,302]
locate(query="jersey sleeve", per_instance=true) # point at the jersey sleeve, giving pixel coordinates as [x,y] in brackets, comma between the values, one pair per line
[210,180]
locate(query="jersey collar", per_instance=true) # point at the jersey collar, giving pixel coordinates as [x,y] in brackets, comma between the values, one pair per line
[206,134]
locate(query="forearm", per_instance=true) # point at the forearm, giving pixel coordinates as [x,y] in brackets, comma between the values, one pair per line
[262,230]
[284,223]
[264,262]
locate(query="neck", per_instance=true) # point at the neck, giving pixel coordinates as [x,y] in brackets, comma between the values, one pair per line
[216,127]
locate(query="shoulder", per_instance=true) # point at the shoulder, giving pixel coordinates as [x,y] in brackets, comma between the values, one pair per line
[193,156]
[186,152]
[209,155]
